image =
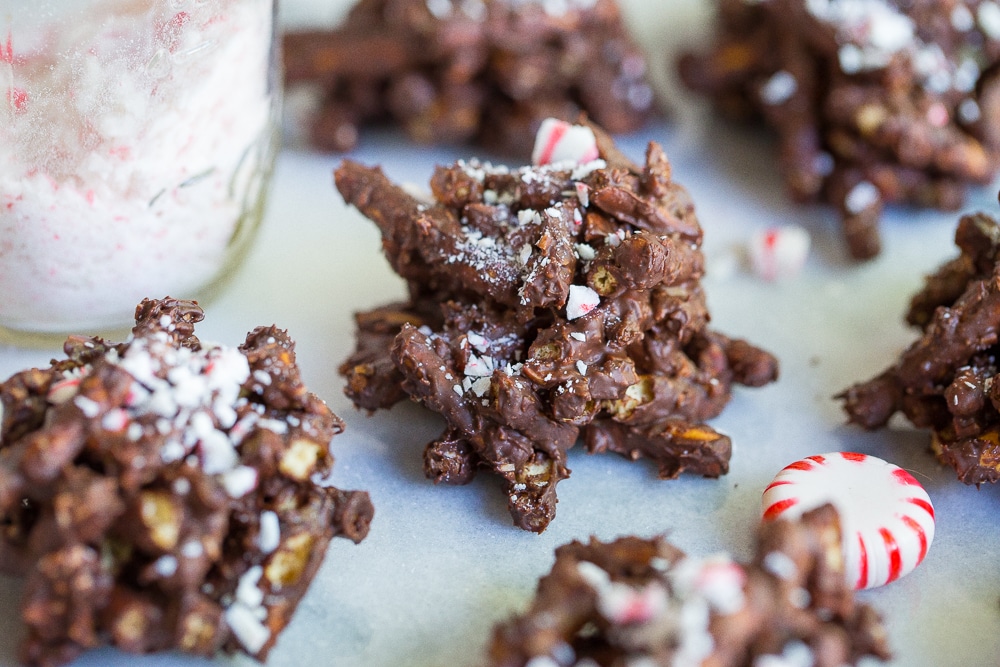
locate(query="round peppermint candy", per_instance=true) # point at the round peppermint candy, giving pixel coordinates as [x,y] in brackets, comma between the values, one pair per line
[886,517]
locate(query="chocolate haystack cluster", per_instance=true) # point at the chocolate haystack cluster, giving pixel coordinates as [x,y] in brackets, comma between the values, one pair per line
[873,101]
[481,71]
[636,601]
[547,304]
[164,494]
[946,381]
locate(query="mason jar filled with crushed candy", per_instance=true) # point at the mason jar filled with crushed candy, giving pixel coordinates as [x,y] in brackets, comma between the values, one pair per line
[136,141]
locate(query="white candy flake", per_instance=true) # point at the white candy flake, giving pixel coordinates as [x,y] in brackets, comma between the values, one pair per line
[988,17]
[239,481]
[861,196]
[779,88]
[269,535]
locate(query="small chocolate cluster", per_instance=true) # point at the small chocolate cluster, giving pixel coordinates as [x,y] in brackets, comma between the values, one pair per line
[548,303]
[481,71]
[166,494]
[635,601]
[946,381]
[872,101]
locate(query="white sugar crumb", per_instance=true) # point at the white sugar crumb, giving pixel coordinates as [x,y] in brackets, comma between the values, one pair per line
[860,197]
[269,535]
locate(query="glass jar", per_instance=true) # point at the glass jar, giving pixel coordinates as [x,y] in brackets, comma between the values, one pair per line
[137,138]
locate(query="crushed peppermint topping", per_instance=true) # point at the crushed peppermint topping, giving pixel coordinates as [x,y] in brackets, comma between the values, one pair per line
[780,565]
[269,535]
[962,19]
[581,367]
[89,407]
[585,252]
[577,335]
[779,88]
[481,386]
[969,111]
[479,366]
[988,17]
[478,342]
[794,654]
[696,588]
[558,141]
[582,300]
[165,566]
[239,481]
[192,549]
[860,197]
[242,615]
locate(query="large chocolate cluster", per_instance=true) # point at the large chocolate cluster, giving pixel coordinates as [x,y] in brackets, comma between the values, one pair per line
[635,601]
[872,101]
[548,304]
[947,380]
[166,494]
[482,71]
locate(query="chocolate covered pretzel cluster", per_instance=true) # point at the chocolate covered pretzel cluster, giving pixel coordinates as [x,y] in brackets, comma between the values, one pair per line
[872,101]
[946,380]
[163,493]
[548,303]
[482,71]
[635,601]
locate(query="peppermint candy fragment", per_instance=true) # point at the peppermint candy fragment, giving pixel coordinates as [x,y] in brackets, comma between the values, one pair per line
[581,301]
[777,253]
[886,516]
[559,141]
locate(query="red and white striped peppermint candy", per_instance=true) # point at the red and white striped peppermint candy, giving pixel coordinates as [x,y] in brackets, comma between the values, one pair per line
[886,517]
[559,141]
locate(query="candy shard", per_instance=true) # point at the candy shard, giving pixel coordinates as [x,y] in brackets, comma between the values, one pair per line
[779,253]
[886,516]
[559,141]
